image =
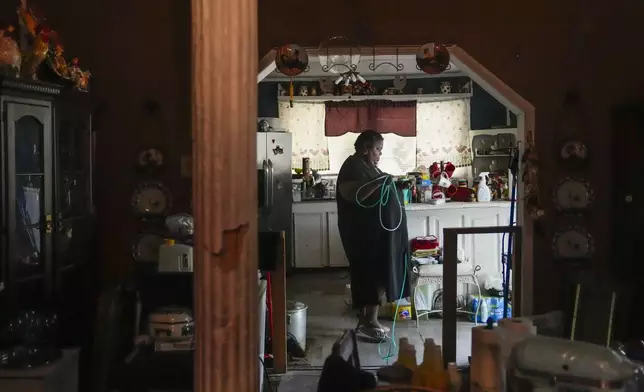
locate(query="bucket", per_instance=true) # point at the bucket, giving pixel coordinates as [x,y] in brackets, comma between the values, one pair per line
[296,321]
[401,310]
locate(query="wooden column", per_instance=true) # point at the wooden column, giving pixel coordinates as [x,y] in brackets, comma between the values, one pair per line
[224,111]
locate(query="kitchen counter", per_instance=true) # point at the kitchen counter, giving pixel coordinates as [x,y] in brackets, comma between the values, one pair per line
[317,243]
[330,206]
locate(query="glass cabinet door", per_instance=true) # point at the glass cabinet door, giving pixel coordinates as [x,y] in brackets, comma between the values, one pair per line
[73,188]
[29,180]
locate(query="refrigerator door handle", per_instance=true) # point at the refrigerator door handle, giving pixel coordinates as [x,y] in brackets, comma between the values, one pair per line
[271,188]
[266,182]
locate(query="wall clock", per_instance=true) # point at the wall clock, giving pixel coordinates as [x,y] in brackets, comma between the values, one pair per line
[151,199]
[573,243]
[573,195]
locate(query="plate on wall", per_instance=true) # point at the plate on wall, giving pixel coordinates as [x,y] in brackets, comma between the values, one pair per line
[150,159]
[573,150]
[573,195]
[146,247]
[151,199]
[573,243]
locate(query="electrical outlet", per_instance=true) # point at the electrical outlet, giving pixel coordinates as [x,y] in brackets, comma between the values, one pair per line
[186,166]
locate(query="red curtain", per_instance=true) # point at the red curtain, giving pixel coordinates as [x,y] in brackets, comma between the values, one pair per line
[381,116]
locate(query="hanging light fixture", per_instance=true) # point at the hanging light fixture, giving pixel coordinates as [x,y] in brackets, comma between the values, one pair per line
[338,55]
[349,77]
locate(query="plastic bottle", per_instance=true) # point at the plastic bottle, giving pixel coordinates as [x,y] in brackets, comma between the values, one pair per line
[455,378]
[431,373]
[438,378]
[421,372]
[406,354]
[484,311]
[483,193]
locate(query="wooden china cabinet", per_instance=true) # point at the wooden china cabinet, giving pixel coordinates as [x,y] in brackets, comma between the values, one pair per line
[47,210]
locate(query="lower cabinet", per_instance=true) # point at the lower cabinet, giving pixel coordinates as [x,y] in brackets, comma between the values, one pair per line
[310,249]
[317,243]
[337,257]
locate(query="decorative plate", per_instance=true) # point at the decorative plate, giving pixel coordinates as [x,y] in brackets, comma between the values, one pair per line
[151,199]
[150,158]
[573,195]
[146,247]
[573,243]
[574,149]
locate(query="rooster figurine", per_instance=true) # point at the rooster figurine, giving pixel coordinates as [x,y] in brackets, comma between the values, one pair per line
[32,59]
[10,57]
[78,76]
[59,64]
[40,37]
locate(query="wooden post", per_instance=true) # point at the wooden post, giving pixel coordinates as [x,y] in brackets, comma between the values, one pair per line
[224,111]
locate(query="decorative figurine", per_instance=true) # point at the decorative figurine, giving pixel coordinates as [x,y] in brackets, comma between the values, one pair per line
[10,57]
[58,63]
[79,77]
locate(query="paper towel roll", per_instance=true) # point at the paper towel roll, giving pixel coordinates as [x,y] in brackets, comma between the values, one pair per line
[486,371]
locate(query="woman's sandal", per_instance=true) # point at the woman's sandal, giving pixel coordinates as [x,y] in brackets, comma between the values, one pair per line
[371,334]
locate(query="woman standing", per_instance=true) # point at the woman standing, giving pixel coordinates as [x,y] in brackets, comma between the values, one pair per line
[374,238]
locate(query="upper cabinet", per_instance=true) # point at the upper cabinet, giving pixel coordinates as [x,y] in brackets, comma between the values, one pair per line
[487,113]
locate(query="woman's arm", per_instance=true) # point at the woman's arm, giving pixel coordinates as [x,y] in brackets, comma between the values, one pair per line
[359,191]
[354,190]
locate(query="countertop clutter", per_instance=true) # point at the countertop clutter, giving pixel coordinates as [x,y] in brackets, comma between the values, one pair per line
[434,185]
[434,199]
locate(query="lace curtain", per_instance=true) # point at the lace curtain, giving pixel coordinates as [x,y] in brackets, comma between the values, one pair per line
[443,133]
[305,122]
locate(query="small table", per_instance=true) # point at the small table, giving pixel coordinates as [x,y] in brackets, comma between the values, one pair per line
[432,274]
[60,376]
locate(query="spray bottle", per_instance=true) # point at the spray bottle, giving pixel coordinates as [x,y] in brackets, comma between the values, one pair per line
[483,193]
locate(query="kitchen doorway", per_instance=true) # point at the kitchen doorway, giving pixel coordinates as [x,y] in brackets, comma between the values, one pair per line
[324,291]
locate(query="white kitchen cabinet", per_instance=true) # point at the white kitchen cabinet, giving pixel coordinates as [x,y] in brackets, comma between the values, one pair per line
[446,219]
[485,250]
[317,243]
[310,240]
[416,225]
[337,257]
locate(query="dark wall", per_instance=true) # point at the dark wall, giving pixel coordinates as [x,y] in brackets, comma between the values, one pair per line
[140,49]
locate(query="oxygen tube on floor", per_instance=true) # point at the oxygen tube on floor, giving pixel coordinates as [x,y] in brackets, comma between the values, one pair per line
[386,189]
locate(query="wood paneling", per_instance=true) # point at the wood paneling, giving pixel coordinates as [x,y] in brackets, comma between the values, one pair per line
[540,48]
[224,109]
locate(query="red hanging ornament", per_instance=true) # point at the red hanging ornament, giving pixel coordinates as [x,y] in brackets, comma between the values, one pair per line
[291,60]
[433,58]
